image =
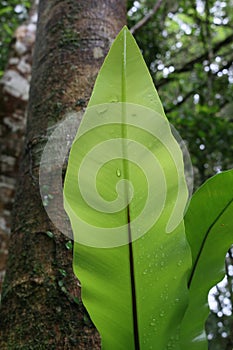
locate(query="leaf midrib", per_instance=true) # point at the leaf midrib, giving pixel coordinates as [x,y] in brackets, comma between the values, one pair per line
[126,174]
[194,266]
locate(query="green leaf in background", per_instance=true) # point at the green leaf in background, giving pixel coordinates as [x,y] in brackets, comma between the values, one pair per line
[209,229]
[133,272]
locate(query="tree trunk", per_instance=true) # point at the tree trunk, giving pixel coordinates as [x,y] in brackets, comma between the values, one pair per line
[41,306]
[14,89]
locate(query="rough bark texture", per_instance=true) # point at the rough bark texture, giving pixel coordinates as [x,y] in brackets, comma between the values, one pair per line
[14,90]
[41,307]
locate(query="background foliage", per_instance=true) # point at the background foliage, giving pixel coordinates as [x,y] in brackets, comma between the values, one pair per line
[12,13]
[188,46]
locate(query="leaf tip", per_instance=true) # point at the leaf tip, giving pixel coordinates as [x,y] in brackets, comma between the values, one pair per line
[125,31]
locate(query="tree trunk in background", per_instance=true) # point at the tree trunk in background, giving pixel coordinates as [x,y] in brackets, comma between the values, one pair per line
[38,309]
[14,89]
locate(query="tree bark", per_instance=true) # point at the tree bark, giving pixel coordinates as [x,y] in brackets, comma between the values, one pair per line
[41,306]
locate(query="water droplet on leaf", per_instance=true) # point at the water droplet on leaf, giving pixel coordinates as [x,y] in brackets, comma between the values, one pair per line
[118,172]
[102,110]
[153,323]
[114,99]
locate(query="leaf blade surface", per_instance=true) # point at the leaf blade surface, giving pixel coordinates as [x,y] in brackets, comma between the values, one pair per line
[156,262]
[209,230]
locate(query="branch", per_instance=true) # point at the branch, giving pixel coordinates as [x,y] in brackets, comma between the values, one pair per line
[189,65]
[215,49]
[185,98]
[192,92]
[147,17]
